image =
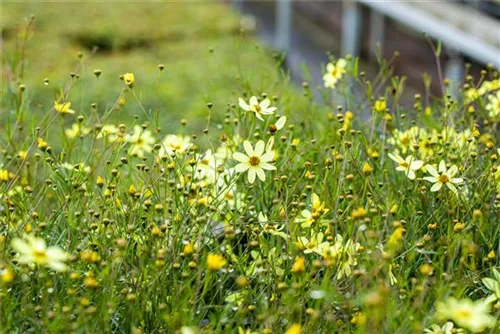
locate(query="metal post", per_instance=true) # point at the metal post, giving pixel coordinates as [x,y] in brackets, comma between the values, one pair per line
[351,28]
[454,70]
[283,24]
[377,34]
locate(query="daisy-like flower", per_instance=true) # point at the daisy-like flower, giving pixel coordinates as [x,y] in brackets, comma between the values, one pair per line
[494,105]
[443,177]
[334,73]
[76,130]
[259,108]
[63,108]
[141,141]
[111,133]
[254,161]
[173,145]
[447,328]
[408,165]
[35,250]
[472,315]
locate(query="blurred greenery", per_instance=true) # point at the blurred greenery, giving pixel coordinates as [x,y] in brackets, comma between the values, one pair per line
[205,54]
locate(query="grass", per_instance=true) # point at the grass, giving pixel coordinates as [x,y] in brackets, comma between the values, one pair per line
[157,223]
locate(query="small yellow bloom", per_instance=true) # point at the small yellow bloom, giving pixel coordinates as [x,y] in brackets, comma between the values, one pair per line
[472,315]
[129,79]
[42,144]
[255,161]
[367,169]
[63,108]
[294,329]
[215,262]
[6,275]
[359,213]
[380,105]
[299,266]
[5,175]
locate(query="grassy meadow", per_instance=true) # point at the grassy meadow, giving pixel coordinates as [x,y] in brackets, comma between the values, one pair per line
[159,173]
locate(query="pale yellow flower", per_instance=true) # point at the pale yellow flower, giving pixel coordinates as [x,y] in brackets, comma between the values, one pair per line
[35,250]
[334,73]
[141,141]
[76,130]
[494,105]
[408,165]
[254,161]
[63,108]
[472,315]
[174,145]
[259,108]
[443,177]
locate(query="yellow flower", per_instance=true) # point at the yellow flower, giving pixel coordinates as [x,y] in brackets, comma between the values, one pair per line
[63,108]
[359,213]
[380,105]
[443,177]
[299,266]
[111,133]
[6,275]
[334,73]
[35,250]
[5,175]
[408,165]
[472,315]
[215,262]
[367,169]
[294,329]
[259,108]
[129,79]
[254,161]
[42,144]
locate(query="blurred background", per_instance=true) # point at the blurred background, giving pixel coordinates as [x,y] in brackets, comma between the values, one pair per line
[213,51]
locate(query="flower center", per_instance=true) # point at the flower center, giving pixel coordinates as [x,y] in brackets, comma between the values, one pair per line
[257,107]
[254,160]
[40,255]
[404,164]
[443,178]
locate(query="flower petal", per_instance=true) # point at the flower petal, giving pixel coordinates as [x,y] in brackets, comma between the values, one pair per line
[251,175]
[240,168]
[260,174]
[267,166]
[243,104]
[431,170]
[259,148]
[436,186]
[269,156]
[240,157]
[248,148]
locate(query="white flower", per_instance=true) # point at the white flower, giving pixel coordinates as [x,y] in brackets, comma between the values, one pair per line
[443,177]
[141,141]
[255,161]
[408,165]
[173,145]
[34,250]
[259,108]
[334,73]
